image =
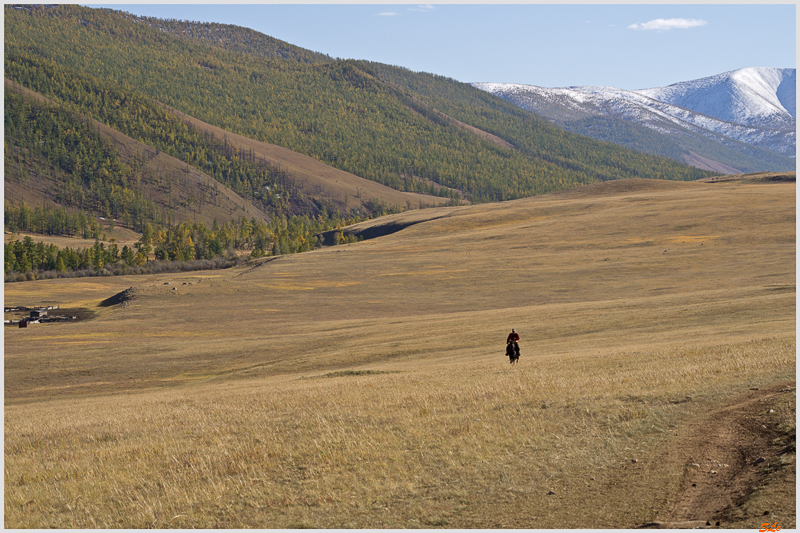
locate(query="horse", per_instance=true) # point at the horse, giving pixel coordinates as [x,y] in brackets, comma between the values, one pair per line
[512,351]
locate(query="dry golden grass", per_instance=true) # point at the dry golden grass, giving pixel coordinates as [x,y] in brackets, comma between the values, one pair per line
[365,385]
[476,445]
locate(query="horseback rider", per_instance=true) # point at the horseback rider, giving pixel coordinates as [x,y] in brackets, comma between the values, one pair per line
[513,337]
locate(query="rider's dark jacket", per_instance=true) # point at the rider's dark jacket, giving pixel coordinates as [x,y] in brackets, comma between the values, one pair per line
[512,337]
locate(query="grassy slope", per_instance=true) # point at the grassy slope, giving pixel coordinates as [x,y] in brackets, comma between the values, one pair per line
[208,405]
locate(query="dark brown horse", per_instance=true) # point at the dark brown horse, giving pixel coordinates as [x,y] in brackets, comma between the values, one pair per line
[512,351]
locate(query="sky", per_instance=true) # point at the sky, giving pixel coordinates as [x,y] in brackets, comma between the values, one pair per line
[627,46]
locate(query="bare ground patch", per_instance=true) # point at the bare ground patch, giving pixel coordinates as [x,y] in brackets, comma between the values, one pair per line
[732,455]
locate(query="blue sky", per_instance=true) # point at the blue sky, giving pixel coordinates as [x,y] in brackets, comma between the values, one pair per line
[629,46]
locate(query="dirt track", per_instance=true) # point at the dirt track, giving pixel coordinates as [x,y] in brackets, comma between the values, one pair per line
[727,453]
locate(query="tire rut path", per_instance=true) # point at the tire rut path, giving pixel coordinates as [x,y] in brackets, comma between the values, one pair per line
[725,453]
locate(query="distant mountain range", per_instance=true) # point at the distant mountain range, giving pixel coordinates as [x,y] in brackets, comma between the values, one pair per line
[738,121]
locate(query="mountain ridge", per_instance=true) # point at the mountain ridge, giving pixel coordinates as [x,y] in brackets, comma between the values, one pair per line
[747,114]
[229,37]
[752,96]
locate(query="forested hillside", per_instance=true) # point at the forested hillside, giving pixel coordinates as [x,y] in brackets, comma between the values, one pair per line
[531,135]
[372,120]
[87,78]
[83,169]
[75,172]
[141,118]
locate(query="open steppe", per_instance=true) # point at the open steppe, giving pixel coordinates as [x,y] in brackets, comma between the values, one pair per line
[365,385]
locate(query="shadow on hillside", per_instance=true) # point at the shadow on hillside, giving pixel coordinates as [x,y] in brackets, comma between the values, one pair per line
[370,229]
[755,177]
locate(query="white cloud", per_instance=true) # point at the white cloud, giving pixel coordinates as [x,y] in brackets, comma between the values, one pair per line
[668,24]
[388,14]
[422,7]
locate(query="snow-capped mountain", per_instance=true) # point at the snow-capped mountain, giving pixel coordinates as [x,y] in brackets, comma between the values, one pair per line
[744,120]
[758,97]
